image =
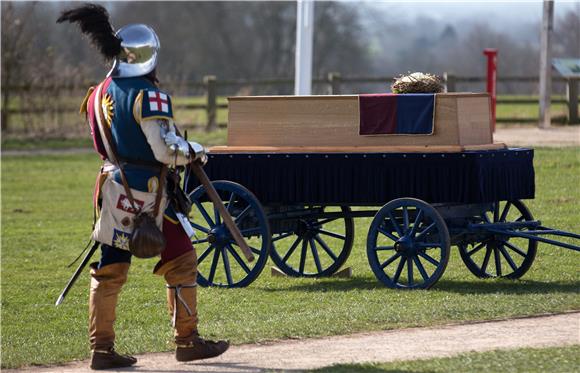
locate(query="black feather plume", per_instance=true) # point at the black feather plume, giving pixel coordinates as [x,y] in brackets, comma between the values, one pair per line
[93,20]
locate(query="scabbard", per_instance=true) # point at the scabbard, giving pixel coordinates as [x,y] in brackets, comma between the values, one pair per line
[77,273]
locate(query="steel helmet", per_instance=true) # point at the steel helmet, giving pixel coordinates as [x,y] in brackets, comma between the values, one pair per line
[139,50]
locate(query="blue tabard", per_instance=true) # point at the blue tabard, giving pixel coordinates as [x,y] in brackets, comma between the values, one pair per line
[126,102]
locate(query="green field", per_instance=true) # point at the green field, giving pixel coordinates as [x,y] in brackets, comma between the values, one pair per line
[46,220]
[529,360]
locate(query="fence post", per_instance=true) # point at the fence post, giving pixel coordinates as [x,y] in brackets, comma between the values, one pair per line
[572,100]
[450,81]
[334,81]
[209,82]
[6,93]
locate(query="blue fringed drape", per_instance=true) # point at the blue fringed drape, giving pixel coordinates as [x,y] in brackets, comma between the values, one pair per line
[377,178]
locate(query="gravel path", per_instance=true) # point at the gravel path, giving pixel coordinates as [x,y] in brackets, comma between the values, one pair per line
[533,136]
[403,344]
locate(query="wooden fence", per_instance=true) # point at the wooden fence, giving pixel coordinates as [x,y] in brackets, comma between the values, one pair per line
[333,83]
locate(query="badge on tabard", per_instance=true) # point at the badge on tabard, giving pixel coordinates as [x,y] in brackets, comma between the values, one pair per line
[156,104]
[107,104]
[121,239]
[123,203]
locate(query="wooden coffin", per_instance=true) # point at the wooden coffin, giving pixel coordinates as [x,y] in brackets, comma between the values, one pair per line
[461,121]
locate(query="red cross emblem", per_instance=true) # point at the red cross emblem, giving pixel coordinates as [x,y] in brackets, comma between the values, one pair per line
[158,102]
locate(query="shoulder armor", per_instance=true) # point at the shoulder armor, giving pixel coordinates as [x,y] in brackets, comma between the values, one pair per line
[154,104]
[83,108]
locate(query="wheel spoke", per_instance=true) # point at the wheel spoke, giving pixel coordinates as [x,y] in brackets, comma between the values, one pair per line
[486,259]
[395,225]
[429,259]
[252,249]
[291,249]
[238,258]
[303,256]
[390,260]
[388,234]
[214,263]
[324,221]
[231,202]
[384,248]
[425,231]
[410,271]
[326,248]
[416,223]
[405,218]
[521,218]
[399,270]
[195,242]
[486,218]
[216,214]
[204,214]
[516,249]
[282,236]
[199,227]
[476,249]
[505,211]
[421,268]
[496,212]
[331,234]
[508,258]
[315,255]
[204,254]
[242,215]
[227,266]
[497,261]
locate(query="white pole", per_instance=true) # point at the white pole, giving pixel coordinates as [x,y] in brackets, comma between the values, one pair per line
[304,36]
[546,63]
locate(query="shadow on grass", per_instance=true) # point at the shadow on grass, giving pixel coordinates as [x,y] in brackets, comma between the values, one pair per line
[346,368]
[483,286]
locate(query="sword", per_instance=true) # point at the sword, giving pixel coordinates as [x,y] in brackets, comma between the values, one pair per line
[77,273]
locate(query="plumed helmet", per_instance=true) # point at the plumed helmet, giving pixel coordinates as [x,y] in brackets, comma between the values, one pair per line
[133,49]
[139,51]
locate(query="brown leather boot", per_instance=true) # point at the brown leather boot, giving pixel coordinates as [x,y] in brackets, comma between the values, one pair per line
[181,275]
[106,284]
[200,348]
[108,359]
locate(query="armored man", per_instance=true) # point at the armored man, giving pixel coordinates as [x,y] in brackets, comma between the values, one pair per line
[131,122]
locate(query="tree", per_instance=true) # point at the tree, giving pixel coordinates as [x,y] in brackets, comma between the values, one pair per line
[567,34]
[15,38]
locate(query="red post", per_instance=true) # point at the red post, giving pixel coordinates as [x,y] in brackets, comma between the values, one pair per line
[491,54]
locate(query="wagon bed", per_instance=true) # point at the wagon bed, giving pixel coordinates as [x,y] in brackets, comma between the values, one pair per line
[295,167]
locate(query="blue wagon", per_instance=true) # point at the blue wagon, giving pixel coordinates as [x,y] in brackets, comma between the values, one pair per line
[298,209]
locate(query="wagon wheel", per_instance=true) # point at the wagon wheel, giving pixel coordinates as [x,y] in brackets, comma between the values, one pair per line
[501,256]
[220,260]
[409,233]
[315,247]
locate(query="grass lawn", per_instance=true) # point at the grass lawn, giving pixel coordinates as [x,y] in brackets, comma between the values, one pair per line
[217,137]
[47,215]
[529,112]
[529,360]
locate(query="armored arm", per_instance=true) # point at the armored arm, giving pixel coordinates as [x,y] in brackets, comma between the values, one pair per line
[153,110]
